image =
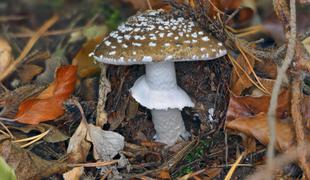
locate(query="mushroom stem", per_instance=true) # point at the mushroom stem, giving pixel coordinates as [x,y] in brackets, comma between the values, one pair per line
[169,125]
[161,76]
[158,91]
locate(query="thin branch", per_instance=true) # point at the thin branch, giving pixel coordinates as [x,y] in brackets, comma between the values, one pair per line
[277,86]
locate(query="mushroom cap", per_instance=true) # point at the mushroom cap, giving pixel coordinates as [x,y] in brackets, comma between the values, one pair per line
[154,36]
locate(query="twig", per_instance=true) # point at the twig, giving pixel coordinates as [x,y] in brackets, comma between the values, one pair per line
[48,33]
[277,85]
[7,130]
[233,168]
[33,138]
[297,116]
[95,164]
[12,18]
[149,4]
[28,47]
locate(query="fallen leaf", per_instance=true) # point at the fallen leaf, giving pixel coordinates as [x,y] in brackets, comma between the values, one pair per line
[27,165]
[79,147]
[27,72]
[7,173]
[164,174]
[5,54]
[240,80]
[107,144]
[257,127]
[10,100]
[143,4]
[51,64]
[74,174]
[86,65]
[247,106]
[54,135]
[49,104]
[305,42]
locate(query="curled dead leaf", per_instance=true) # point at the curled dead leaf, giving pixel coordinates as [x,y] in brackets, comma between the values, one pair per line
[5,54]
[48,105]
[257,127]
[79,147]
[247,106]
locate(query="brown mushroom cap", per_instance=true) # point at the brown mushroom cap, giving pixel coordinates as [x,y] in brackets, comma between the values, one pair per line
[155,36]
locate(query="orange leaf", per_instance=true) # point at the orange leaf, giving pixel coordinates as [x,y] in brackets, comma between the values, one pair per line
[49,104]
[257,127]
[248,106]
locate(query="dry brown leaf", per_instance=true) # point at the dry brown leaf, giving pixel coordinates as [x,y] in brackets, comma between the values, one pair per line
[28,71]
[305,42]
[257,127]
[28,165]
[79,147]
[164,174]
[86,65]
[143,4]
[240,80]
[247,106]
[5,54]
[54,135]
[49,104]
[74,174]
[107,144]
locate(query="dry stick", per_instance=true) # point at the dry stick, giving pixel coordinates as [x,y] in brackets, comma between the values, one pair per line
[149,4]
[104,89]
[297,116]
[94,164]
[233,168]
[28,47]
[48,33]
[277,85]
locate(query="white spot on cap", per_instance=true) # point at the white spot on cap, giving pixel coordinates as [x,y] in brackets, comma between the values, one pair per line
[220,44]
[205,38]
[176,38]
[194,35]
[137,44]
[127,36]
[112,53]
[167,44]
[113,47]
[187,41]
[168,58]
[161,35]
[181,34]
[134,52]
[124,46]
[91,54]
[213,50]
[202,49]
[200,32]
[147,59]
[136,29]
[152,44]
[169,34]
[108,43]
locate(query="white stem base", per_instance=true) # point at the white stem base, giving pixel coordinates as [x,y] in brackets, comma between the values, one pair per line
[169,126]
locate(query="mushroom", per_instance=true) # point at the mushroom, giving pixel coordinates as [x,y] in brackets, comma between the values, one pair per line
[158,39]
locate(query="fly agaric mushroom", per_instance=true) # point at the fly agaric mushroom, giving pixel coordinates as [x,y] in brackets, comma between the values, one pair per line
[158,39]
